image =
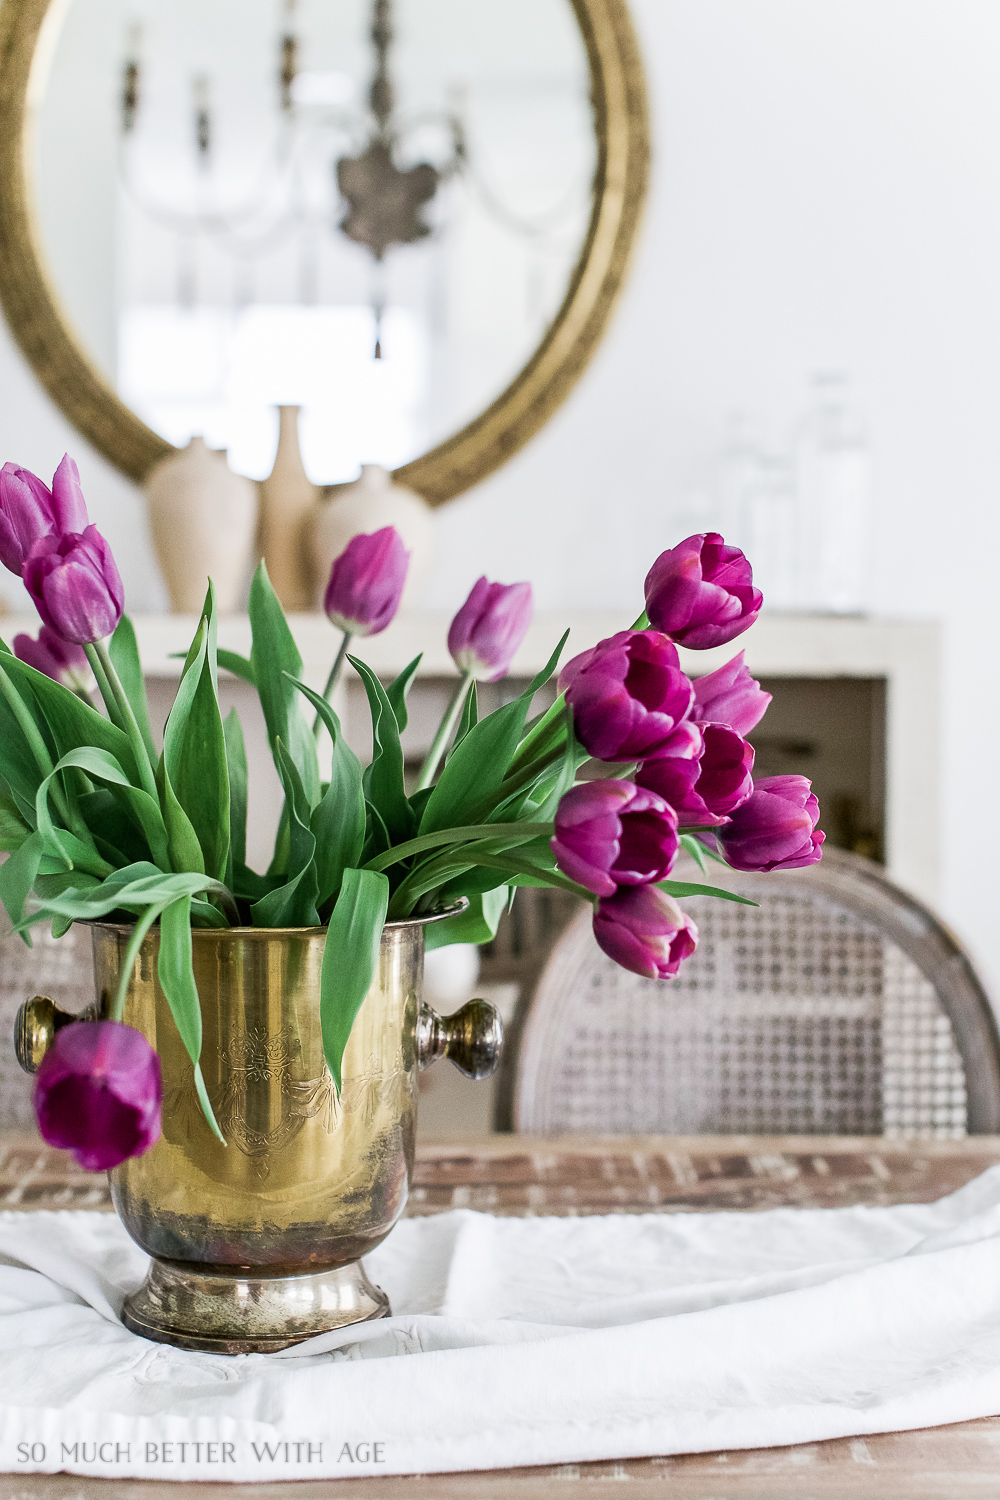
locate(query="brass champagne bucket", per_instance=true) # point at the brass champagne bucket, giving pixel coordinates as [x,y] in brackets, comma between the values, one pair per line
[257,1244]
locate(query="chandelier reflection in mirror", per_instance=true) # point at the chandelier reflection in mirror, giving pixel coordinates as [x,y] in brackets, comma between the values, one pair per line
[375,241]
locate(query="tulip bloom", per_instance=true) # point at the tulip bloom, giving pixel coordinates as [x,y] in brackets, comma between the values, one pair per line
[61,660]
[644,930]
[701,592]
[776,828]
[730,696]
[706,791]
[366,582]
[75,585]
[99,1093]
[628,695]
[612,833]
[29,510]
[489,627]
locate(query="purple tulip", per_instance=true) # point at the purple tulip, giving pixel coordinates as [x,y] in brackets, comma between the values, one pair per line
[99,1093]
[61,660]
[706,791]
[701,592]
[776,828]
[75,585]
[612,833]
[489,627]
[730,696]
[628,695]
[29,510]
[366,582]
[644,930]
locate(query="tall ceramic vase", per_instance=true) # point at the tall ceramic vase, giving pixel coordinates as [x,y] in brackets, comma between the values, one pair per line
[287,500]
[257,1244]
[204,521]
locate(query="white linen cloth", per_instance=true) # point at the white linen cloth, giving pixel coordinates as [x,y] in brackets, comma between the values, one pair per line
[520,1341]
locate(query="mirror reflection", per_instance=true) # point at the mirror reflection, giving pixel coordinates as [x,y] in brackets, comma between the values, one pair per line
[369,210]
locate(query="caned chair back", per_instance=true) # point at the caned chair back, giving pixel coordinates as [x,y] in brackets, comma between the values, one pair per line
[63,970]
[838,1005]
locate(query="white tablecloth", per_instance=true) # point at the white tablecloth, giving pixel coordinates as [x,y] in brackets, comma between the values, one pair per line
[521,1341]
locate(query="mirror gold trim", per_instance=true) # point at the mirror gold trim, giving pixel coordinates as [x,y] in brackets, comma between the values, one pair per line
[31,305]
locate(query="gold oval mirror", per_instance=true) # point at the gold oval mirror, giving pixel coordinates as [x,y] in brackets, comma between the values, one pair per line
[419,209]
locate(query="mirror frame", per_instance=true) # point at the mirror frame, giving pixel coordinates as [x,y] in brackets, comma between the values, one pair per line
[29,31]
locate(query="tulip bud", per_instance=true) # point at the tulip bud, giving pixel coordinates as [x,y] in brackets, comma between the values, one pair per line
[488,629]
[366,582]
[644,930]
[776,828]
[61,660]
[701,592]
[628,695]
[26,515]
[730,696]
[99,1093]
[705,791]
[612,833]
[75,585]
[29,510]
[68,504]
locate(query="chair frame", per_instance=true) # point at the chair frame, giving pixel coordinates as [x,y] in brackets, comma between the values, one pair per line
[856,884]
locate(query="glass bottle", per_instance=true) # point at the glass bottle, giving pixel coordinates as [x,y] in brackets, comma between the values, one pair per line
[833,488]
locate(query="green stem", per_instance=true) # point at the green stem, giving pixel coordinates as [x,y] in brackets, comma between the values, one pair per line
[334,677]
[97,655]
[128,962]
[445,729]
[105,688]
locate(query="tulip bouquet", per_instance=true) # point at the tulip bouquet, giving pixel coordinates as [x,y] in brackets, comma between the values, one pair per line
[99,824]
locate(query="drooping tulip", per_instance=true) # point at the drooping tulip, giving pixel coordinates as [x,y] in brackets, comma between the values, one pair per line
[612,833]
[75,585]
[775,829]
[705,792]
[99,1093]
[701,592]
[366,582]
[644,930]
[628,695]
[489,627]
[730,696]
[29,510]
[61,660]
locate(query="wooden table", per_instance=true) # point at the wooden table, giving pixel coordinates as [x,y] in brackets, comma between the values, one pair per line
[522,1175]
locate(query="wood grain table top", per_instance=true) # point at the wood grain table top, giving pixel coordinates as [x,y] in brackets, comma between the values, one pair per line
[524,1175]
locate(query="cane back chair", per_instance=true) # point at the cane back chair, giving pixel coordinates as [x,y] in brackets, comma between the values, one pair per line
[838,1005]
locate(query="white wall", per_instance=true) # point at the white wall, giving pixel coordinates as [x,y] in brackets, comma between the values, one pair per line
[826,193]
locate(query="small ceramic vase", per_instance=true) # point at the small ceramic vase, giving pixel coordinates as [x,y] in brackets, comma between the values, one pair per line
[287,501]
[204,523]
[366,505]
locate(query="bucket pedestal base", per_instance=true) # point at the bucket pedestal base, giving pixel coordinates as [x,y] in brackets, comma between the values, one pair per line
[234,1312]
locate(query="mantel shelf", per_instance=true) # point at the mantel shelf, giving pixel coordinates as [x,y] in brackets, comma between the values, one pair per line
[783,645]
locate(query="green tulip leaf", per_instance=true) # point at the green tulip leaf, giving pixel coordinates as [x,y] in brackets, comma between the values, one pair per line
[292,904]
[236,760]
[477,924]
[275,660]
[383,780]
[338,822]
[350,959]
[398,689]
[175,972]
[240,666]
[194,754]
